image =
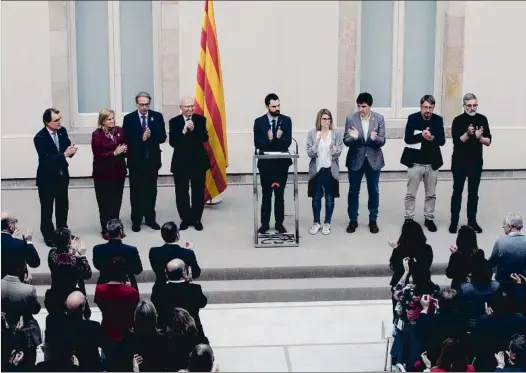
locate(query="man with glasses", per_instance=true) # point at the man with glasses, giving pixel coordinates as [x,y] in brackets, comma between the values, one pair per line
[427,129]
[470,131]
[53,147]
[144,131]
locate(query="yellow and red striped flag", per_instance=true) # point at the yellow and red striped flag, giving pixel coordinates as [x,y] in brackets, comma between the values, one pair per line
[210,102]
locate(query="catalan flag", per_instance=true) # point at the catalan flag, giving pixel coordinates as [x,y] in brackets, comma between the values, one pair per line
[210,102]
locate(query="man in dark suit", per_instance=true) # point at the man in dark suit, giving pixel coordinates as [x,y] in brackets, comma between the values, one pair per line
[160,256]
[273,132]
[105,254]
[181,293]
[16,252]
[53,147]
[189,163]
[144,131]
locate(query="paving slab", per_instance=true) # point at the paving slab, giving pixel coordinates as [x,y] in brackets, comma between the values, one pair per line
[226,242]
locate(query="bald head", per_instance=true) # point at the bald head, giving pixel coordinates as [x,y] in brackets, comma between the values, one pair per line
[75,301]
[187,106]
[8,222]
[175,270]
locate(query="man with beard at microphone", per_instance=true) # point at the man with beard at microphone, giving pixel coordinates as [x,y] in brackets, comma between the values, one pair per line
[273,133]
[470,131]
[190,162]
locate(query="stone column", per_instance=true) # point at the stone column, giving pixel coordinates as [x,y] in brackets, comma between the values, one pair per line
[170,59]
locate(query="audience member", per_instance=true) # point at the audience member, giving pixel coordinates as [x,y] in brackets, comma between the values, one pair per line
[160,256]
[509,252]
[452,359]
[516,355]
[16,252]
[463,255]
[104,255]
[201,359]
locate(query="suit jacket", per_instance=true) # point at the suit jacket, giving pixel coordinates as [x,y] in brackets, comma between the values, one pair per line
[262,143]
[102,259]
[363,146]
[107,166]
[185,295]
[17,252]
[160,256]
[143,155]
[189,154]
[52,164]
[19,299]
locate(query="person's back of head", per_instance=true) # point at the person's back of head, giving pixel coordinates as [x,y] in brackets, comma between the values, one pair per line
[181,323]
[467,244]
[503,303]
[75,305]
[170,232]
[412,235]
[201,359]
[517,350]
[176,270]
[453,357]
[8,222]
[145,318]
[421,277]
[448,301]
[62,239]
[115,229]
[482,272]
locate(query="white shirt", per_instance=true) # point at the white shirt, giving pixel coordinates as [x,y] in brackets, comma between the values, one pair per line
[324,159]
[365,125]
[54,136]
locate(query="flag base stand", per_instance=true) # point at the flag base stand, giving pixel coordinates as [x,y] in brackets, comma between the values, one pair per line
[276,239]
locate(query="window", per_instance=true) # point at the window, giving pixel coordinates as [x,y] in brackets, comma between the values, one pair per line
[113,56]
[399,54]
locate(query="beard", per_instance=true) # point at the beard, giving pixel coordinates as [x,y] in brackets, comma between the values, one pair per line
[274,113]
[471,113]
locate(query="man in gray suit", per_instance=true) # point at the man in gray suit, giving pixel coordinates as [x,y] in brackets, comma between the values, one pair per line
[365,136]
[19,301]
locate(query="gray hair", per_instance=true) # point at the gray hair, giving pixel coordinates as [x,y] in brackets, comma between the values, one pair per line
[514,220]
[142,94]
[145,317]
[114,227]
[468,97]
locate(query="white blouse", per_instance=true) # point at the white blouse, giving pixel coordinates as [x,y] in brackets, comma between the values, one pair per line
[324,159]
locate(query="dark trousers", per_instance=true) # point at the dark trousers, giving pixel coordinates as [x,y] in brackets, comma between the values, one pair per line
[143,195]
[109,199]
[55,195]
[324,186]
[267,178]
[196,180]
[355,183]
[460,174]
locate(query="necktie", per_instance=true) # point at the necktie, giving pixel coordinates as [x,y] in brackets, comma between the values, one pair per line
[143,122]
[274,127]
[55,140]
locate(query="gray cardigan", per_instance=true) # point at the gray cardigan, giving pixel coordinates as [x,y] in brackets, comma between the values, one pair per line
[312,150]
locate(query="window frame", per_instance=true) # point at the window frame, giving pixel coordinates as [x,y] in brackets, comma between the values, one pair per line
[396,111]
[89,120]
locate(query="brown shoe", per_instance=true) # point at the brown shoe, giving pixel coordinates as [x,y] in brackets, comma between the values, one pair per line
[373,227]
[351,228]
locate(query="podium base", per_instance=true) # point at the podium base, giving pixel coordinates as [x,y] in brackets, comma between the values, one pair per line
[277,240]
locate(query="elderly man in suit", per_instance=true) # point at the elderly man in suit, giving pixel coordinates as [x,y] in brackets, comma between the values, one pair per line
[53,147]
[273,132]
[188,136]
[365,136]
[20,303]
[144,131]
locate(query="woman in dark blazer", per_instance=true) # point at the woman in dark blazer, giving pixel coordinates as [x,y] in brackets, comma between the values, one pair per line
[464,256]
[109,167]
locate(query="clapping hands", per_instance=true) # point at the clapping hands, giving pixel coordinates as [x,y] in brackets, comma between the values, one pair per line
[426,134]
[353,133]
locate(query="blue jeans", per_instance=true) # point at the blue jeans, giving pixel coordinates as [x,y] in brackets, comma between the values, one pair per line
[323,185]
[355,182]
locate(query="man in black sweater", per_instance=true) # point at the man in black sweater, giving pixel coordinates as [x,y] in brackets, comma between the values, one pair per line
[426,129]
[470,131]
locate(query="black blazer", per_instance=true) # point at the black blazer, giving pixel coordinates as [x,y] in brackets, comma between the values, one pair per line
[189,150]
[52,163]
[160,256]
[262,143]
[422,254]
[103,254]
[185,295]
[17,252]
[144,154]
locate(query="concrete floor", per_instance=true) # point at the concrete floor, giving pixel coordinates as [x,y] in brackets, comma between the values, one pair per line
[227,239]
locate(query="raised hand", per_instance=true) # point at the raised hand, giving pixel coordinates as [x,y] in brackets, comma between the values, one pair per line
[270,135]
[427,135]
[353,133]
[479,132]
[279,133]
[374,134]
[471,130]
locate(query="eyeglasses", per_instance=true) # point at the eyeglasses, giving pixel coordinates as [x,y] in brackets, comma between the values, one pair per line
[144,105]
[187,106]
[472,106]
[326,119]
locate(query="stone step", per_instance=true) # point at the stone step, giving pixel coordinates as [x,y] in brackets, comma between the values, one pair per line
[268,273]
[282,290]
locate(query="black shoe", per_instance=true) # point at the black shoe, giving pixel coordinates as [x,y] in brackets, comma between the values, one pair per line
[351,228]
[154,225]
[263,229]
[281,229]
[136,227]
[49,243]
[453,227]
[431,226]
[198,226]
[373,227]
[473,224]
[183,226]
